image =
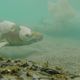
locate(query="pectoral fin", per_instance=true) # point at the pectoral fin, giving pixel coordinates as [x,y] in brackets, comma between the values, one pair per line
[2,44]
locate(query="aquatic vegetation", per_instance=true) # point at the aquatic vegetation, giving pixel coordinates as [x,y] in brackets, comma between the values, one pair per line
[22,69]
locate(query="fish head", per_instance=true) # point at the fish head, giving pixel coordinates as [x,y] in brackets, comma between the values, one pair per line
[28,36]
[34,37]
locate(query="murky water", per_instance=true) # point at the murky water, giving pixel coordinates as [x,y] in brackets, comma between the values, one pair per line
[57,20]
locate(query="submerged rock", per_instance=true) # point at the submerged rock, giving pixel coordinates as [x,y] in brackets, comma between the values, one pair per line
[23,69]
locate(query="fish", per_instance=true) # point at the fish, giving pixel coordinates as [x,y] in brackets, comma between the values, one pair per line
[18,35]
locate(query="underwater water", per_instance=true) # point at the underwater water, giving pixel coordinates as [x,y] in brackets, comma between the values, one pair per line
[57,20]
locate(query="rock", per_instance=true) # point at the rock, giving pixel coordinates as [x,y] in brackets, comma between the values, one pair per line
[22,69]
[49,71]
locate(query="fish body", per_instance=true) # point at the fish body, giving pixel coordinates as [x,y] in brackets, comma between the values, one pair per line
[19,36]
